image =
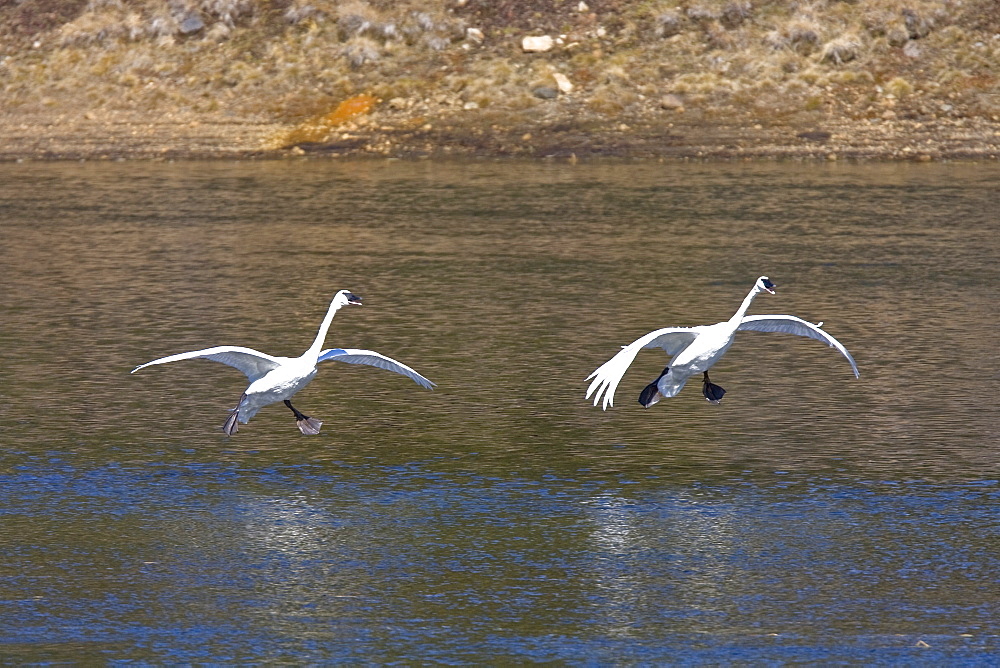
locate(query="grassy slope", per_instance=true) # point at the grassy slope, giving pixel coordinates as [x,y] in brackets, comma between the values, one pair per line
[711,62]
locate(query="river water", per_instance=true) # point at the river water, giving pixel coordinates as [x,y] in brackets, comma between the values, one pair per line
[810,518]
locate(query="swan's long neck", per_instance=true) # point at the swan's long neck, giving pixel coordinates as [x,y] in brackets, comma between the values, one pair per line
[742,310]
[324,327]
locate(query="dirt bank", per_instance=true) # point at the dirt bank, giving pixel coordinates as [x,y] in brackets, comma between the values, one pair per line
[179,136]
[117,79]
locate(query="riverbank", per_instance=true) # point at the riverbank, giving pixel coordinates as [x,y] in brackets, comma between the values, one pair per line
[880,80]
[131,136]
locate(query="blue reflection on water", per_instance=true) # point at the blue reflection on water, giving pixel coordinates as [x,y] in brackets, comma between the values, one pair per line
[226,562]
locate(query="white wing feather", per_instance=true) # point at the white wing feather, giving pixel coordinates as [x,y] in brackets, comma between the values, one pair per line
[789,324]
[252,363]
[372,358]
[607,376]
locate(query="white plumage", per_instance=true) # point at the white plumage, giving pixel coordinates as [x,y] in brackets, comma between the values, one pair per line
[695,349]
[274,379]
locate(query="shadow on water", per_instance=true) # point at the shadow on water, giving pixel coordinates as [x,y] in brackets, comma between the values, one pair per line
[811,517]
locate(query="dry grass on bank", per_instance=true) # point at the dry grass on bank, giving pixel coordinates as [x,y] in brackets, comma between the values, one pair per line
[763,61]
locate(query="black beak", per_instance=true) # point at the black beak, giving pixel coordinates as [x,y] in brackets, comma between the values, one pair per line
[353,299]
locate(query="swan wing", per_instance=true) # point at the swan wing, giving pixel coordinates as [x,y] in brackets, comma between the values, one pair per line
[607,376]
[252,363]
[372,358]
[789,324]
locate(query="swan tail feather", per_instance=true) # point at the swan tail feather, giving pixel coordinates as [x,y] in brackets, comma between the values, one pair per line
[605,379]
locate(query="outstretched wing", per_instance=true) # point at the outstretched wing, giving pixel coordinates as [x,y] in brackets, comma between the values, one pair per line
[372,358]
[608,375]
[789,324]
[252,363]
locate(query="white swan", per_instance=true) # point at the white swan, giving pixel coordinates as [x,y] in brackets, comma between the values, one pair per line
[274,379]
[695,349]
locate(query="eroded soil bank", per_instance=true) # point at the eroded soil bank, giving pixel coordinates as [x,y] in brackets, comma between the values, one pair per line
[180,136]
[669,79]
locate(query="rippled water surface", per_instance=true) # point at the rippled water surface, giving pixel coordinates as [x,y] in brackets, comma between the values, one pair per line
[811,517]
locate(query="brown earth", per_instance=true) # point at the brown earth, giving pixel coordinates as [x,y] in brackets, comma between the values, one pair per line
[722,80]
[124,135]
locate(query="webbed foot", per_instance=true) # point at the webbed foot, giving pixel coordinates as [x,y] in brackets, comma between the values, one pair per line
[713,393]
[651,393]
[232,422]
[307,425]
[232,425]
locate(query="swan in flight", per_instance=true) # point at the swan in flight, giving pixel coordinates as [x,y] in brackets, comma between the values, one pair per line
[695,349]
[273,379]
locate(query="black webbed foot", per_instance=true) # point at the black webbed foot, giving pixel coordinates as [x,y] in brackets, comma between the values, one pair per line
[651,393]
[713,393]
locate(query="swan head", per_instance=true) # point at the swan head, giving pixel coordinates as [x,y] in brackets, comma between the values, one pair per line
[764,284]
[346,298]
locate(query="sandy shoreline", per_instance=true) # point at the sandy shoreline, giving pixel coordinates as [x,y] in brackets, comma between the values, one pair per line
[132,136]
